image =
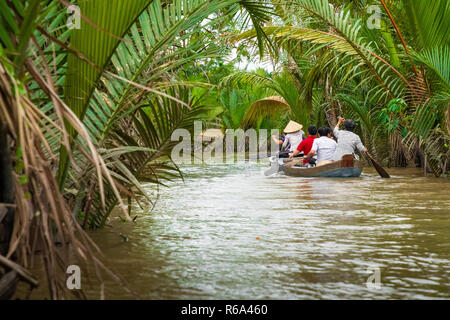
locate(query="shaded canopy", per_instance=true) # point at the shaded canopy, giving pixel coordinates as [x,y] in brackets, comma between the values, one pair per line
[267,107]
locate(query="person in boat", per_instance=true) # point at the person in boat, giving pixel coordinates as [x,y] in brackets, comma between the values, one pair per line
[293,136]
[324,147]
[306,145]
[280,142]
[347,141]
[330,133]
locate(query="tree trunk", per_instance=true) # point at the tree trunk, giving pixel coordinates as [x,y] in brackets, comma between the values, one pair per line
[447,114]
[330,113]
[6,212]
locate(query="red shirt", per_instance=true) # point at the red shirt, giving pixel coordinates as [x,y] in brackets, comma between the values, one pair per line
[306,146]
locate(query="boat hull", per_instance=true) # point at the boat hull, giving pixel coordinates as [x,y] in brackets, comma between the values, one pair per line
[337,169]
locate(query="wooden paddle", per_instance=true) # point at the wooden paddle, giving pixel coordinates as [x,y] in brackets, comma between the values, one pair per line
[293,162]
[377,166]
[274,168]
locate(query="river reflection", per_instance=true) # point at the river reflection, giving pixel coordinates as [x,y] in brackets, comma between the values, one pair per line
[229,232]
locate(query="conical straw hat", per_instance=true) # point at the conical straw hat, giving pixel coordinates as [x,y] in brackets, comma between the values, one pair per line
[292,127]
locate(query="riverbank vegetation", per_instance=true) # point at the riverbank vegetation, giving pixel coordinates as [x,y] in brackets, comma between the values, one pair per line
[87,113]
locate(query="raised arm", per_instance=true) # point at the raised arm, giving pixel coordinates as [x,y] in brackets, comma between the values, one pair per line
[336,128]
[276,140]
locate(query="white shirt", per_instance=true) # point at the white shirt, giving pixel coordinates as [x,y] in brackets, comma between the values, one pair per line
[348,142]
[324,148]
[294,139]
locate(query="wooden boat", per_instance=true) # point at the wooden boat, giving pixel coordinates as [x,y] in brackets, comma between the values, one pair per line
[348,167]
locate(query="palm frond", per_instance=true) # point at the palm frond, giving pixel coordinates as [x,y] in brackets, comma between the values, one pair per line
[264,108]
[259,13]
[437,60]
[251,79]
[116,17]
[344,38]
[428,22]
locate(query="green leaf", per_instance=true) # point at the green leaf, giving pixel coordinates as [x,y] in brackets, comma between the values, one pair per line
[23,179]
[429,22]
[97,43]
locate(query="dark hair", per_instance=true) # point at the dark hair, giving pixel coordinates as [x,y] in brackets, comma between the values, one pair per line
[349,125]
[323,131]
[312,130]
[329,131]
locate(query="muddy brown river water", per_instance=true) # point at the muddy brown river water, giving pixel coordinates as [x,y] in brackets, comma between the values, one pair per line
[229,232]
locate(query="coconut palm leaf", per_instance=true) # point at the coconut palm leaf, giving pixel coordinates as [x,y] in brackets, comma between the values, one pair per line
[345,38]
[437,60]
[159,25]
[428,22]
[259,13]
[148,56]
[105,27]
[112,23]
[249,78]
[282,84]
[234,106]
[265,108]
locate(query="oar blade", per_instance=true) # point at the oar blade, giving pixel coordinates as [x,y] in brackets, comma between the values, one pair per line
[383,173]
[274,168]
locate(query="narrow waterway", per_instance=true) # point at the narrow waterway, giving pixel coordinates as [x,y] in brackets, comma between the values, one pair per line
[229,232]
